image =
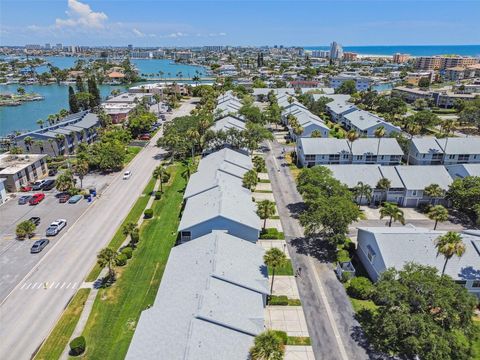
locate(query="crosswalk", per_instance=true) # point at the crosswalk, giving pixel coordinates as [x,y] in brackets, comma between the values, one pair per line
[54,285]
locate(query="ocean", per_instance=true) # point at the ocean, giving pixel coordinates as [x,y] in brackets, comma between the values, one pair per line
[414,50]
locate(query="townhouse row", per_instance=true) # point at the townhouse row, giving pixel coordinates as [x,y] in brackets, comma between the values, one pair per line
[213,294]
[406,183]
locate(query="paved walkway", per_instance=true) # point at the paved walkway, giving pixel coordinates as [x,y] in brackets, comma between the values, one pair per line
[290,319]
[285,285]
[299,353]
[329,314]
[279,244]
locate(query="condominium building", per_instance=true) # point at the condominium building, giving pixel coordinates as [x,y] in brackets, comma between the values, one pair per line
[20,169]
[443,62]
[399,58]
[336,51]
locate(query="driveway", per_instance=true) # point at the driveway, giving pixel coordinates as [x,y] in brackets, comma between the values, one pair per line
[70,259]
[334,332]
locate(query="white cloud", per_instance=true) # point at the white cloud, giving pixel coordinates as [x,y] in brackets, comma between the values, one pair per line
[138,33]
[80,14]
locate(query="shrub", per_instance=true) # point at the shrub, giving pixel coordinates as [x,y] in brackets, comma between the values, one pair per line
[360,288]
[128,252]
[424,207]
[271,233]
[278,300]
[282,335]
[165,177]
[121,260]
[77,346]
[24,229]
[158,195]
[148,213]
[343,256]
[135,236]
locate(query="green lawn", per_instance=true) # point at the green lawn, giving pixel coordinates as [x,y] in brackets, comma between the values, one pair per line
[133,216]
[58,339]
[132,151]
[287,269]
[298,340]
[117,309]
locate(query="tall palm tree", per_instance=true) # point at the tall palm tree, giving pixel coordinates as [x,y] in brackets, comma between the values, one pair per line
[437,213]
[449,126]
[379,133]
[352,135]
[194,137]
[265,210]
[250,179]
[39,143]
[51,141]
[412,129]
[158,173]
[449,245]
[267,346]
[81,169]
[435,192]
[107,257]
[393,211]
[362,190]
[258,163]
[384,184]
[40,123]
[274,258]
[28,141]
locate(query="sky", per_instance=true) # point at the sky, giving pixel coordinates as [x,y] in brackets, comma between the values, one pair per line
[239,22]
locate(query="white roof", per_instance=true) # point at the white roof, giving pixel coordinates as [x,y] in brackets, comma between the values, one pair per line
[386,146]
[228,122]
[457,145]
[427,145]
[352,174]
[205,180]
[418,177]
[231,161]
[209,304]
[323,146]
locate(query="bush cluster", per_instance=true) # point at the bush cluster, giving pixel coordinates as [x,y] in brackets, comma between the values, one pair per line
[128,252]
[121,260]
[148,213]
[158,195]
[77,346]
[271,233]
[360,288]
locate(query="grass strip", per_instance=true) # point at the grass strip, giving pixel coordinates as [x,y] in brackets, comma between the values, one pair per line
[299,341]
[133,216]
[53,346]
[286,269]
[117,309]
[132,151]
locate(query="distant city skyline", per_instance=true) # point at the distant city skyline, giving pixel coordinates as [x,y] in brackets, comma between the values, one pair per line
[243,23]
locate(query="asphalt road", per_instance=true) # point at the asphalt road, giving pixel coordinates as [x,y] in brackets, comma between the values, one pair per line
[30,311]
[334,332]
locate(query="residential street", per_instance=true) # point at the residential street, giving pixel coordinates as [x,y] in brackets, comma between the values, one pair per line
[334,332]
[30,311]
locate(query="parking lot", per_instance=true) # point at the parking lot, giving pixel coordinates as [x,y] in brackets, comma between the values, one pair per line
[15,258]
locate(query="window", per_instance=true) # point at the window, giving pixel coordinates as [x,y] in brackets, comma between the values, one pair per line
[310,157]
[186,235]
[476,284]
[370,253]
[463,157]
[414,192]
[451,157]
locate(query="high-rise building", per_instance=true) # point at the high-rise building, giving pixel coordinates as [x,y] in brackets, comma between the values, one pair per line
[320,53]
[59,46]
[336,51]
[33,47]
[400,58]
[349,56]
[47,46]
[443,62]
[130,47]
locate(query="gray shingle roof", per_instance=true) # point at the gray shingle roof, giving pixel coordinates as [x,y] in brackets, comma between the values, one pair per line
[213,310]
[228,157]
[388,146]
[228,122]
[340,107]
[352,174]
[455,146]
[418,177]
[319,146]
[364,120]
[205,180]
[399,245]
[427,145]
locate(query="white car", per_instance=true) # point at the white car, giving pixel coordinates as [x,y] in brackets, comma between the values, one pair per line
[56,226]
[127,174]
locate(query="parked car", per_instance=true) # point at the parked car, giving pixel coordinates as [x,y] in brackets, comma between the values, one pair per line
[56,226]
[35,220]
[36,198]
[52,172]
[127,174]
[74,199]
[48,185]
[63,198]
[37,185]
[26,188]
[144,137]
[22,200]
[39,245]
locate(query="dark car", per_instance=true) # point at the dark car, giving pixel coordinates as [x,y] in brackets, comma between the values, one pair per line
[22,200]
[35,220]
[63,198]
[39,245]
[48,185]
[52,172]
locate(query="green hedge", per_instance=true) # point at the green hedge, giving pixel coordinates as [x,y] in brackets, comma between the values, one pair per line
[148,213]
[77,346]
[121,260]
[158,195]
[271,233]
[282,300]
[360,288]
[128,252]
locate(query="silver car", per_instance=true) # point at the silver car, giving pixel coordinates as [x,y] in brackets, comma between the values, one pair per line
[56,226]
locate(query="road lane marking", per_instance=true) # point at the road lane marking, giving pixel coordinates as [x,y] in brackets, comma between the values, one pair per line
[53,283]
[68,285]
[62,286]
[57,285]
[74,285]
[23,285]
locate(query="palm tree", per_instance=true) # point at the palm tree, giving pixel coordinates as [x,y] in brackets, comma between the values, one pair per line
[384,185]
[437,213]
[316,134]
[81,169]
[65,181]
[352,135]
[267,346]
[274,258]
[39,143]
[449,126]
[393,211]
[28,141]
[250,179]
[379,133]
[434,191]
[158,173]
[194,137]
[40,123]
[107,257]
[413,129]
[128,228]
[258,163]
[265,210]
[448,245]
[362,190]
[51,141]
